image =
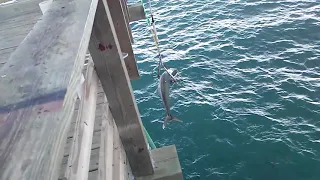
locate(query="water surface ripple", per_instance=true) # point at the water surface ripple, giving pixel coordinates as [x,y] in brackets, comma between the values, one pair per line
[249,95]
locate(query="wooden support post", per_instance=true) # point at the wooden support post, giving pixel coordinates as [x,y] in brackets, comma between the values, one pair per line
[38,91]
[167,165]
[122,33]
[118,157]
[79,156]
[136,12]
[112,157]
[114,78]
[106,146]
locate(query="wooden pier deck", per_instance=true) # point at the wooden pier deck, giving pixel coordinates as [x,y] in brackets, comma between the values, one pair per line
[16,21]
[48,130]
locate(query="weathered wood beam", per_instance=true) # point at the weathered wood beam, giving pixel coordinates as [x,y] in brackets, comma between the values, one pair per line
[167,165]
[114,78]
[106,146]
[38,91]
[118,157]
[113,163]
[118,17]
[127,18]
[136,12]
[79,157]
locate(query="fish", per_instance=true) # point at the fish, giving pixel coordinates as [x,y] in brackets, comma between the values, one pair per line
[164,90]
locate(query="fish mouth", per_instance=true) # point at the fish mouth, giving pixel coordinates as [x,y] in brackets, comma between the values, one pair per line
[173,71]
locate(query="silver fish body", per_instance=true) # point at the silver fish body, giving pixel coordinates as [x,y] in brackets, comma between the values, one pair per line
[164,92]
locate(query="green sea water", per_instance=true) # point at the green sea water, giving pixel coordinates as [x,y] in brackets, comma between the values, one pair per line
[249,93]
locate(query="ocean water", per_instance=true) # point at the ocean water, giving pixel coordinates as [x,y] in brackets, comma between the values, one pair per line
[249,93]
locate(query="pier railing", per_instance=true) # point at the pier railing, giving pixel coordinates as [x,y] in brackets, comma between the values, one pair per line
[43,79]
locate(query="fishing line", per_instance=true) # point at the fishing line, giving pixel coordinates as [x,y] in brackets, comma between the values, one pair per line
[152,25]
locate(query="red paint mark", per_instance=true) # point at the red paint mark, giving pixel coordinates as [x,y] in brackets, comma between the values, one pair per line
[101,47]
[30,112]
[10,124]
[110,46]
[50,106]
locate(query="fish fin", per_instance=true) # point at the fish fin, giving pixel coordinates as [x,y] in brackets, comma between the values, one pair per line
[176,119]
[156,91]
[169,118]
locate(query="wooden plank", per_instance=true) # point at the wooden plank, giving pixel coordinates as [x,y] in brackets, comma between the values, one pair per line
[17,31]
[20,25]
[22,18]
[4,58]
[13,33]
[123,161]
[19,8]
[93,175]
[94,163]
[5,54]
[136,12]
[16,28]
[38,91]
[22,21]
[95,142]
[127,19]
[11,41]
[100,98]
[97,127]
[167,165]
[129,175]
[117,14]
[118,167]
[12,37]
[112,148]
[106,147]
[8,50]
[79,157]
[99,111]
[114,78]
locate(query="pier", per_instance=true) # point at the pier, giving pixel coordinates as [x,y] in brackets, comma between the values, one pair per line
[67,108]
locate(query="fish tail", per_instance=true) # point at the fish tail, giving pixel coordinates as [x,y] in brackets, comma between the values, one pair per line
[170,118]
[176,119]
